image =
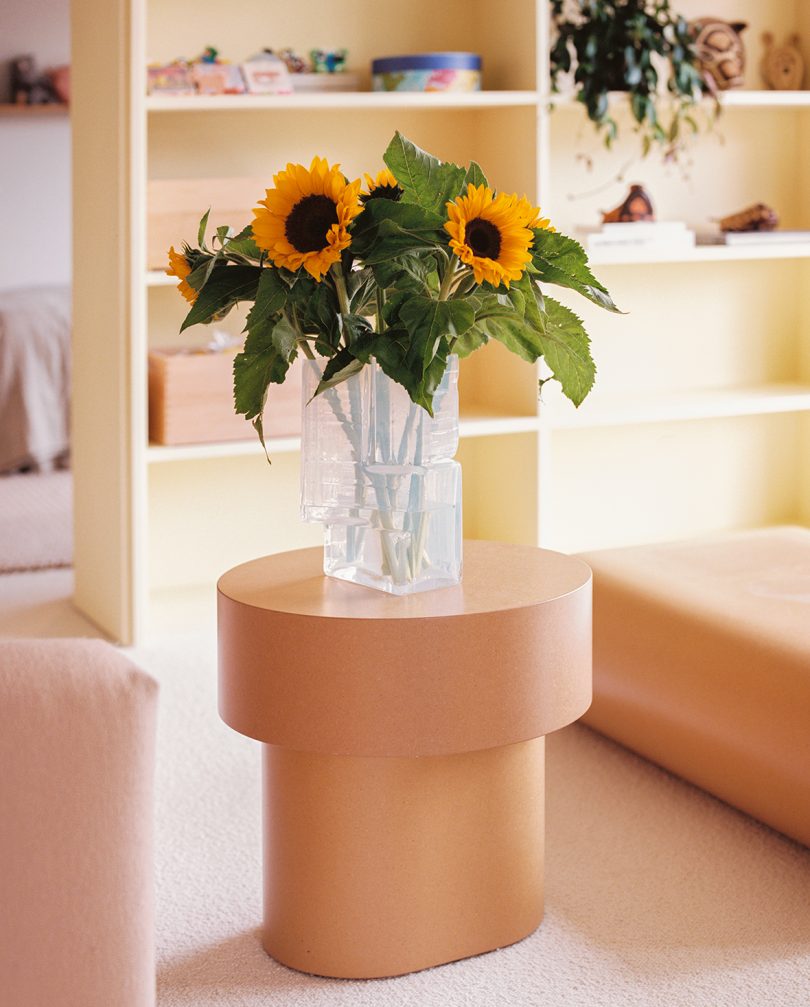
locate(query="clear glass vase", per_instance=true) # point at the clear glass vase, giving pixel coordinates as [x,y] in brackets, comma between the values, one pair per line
[378,472]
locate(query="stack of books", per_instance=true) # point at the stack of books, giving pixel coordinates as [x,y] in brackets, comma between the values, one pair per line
[650,235]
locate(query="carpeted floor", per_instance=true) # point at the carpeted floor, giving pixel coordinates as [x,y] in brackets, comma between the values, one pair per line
[36,521]
[656,893]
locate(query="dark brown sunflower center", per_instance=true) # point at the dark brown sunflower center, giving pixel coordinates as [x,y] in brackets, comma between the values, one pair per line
[392,192]
[484,238]
[309,221]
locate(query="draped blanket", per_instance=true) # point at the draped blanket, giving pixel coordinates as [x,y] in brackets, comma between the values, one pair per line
[34,377]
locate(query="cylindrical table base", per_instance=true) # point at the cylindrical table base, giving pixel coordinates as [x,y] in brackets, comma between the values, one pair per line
[380,866]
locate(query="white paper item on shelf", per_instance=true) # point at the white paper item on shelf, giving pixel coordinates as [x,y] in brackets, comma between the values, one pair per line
[663,233]
[764,237]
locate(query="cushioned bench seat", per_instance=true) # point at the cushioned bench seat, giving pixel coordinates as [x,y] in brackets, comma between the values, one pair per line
[77,754]
[702,664]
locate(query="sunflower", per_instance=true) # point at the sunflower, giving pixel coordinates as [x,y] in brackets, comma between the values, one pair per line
[304,220]
[384,186]
[532,218]
[179,267]
[490,234]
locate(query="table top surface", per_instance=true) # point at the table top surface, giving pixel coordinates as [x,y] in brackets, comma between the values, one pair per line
[496,577]
[314,664]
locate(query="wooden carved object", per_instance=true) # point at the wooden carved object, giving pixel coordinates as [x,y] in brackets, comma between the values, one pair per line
[758,217]
[721,52]
[782,66]
[637,206]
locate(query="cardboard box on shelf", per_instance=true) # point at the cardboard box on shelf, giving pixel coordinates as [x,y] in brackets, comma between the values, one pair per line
[191,399]
[175,206]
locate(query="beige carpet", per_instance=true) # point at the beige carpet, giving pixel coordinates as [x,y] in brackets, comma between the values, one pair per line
[656,893]
[36,521]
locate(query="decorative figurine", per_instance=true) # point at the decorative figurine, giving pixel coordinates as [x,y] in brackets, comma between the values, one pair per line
[758,217]
[328,61]
[637,206]
[721,52]
[782,66]
[60,82]
[29,87]
[294,62]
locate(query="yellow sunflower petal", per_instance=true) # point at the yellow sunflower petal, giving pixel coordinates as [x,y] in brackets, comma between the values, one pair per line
[179,267]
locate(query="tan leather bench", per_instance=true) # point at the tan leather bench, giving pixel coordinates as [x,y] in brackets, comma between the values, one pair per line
[702,664]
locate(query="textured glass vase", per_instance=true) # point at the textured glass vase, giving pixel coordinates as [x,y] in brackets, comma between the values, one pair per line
[378,472]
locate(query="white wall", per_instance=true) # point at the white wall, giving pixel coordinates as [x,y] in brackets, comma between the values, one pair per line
[34,154]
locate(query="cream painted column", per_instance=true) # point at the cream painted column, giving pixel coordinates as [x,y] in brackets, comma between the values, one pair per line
[108,377]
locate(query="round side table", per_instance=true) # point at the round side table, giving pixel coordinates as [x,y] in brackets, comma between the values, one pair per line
[403,750]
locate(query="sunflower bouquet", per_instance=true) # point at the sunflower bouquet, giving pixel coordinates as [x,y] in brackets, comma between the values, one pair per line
[424,262]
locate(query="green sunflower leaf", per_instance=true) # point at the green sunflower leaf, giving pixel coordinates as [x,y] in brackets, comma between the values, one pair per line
[385,230]
[339,368]
[244,244]
[475,175]
[252,374]
[425,180]
[202,228]
[511,330]
[226,286]
[563,261]
[527,298]
[429,322]
[410,268]
[566,350]
[491,309]
[472,340]
[354,328]
[316,309]
[271,296]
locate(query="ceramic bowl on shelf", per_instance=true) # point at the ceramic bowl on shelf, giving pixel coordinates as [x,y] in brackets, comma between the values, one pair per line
[430,71]
[342,81]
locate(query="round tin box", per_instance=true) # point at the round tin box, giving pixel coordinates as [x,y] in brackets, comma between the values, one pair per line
[428,71]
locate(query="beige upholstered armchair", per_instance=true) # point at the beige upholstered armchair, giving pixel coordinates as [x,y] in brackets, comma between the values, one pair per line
[77,750]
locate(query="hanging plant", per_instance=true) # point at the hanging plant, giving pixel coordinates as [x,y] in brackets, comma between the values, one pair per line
[625,45]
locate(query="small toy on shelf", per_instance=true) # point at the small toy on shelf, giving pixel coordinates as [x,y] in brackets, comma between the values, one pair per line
[212,75]
[721,52]
[293,62]
[782,66]
[328,60]
[218,78]
[265,73]
[758,217]
[636,206]
[170,79]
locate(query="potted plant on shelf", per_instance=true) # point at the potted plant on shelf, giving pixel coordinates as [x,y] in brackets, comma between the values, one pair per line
[381,292]
[625,45]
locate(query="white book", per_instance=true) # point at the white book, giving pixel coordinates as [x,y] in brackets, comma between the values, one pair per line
[638,227]
[640,233]
[753,237]
[765,237]
[675,241]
